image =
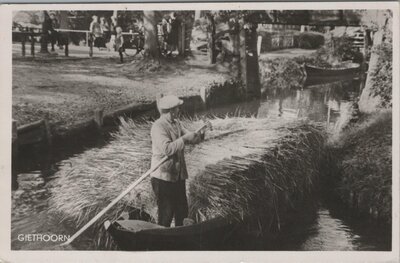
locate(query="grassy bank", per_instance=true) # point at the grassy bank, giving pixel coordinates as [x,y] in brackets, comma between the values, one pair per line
[363,154]
[68,91]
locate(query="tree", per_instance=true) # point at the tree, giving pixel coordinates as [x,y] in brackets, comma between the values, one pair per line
[150,35]
[211,38]
[372,97]
[46,26]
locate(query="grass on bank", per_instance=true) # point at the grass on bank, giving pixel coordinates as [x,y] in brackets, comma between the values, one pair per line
[364,157]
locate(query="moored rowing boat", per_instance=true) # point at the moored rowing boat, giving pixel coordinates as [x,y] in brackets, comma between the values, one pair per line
[342,69]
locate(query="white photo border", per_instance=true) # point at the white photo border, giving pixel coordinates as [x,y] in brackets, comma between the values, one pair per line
[8,255]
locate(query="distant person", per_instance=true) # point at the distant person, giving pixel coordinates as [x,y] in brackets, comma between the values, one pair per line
[173,34]
[113,24]
[105,28]
[113,32]
[96,32]
[47,31]
[53,34]
[119,43]
[139,40]
[165,28]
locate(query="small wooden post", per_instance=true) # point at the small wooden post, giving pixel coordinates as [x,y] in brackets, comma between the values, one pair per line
[87,39]
[90,46]
[14,130]
[205,94]
[66,49]
[328,119]
[211,39]
[14,138]
[14,149]
[32,45]
[23,45]
[259,41]
[98,117]
[234,35]
[182,39]
[47,129]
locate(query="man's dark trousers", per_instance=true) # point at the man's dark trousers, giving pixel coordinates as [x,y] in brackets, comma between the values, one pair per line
[171,201]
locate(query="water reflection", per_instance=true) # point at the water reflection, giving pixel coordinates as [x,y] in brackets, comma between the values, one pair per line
[320,103]
[329,234]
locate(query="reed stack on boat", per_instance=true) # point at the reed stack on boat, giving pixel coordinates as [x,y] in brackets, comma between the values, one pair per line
[245,167]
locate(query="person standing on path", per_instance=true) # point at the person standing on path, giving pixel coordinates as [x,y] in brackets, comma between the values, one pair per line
[96,32]
[165,30]
[174,33]
[119,44]
[105,28]
[113,33]
[54,35]
[169,138]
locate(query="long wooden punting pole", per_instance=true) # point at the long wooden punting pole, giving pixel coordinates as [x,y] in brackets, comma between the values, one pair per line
[125,192]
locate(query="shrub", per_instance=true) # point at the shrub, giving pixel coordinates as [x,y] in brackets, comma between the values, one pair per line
[310,40]
[283,73]
[382,76]
[364,152]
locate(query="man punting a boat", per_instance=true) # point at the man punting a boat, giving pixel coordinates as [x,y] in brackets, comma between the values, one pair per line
[169,138]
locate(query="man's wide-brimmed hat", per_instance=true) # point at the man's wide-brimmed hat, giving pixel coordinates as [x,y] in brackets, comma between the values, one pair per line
[169,102]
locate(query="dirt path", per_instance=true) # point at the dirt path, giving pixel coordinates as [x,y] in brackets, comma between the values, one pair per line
[68,90]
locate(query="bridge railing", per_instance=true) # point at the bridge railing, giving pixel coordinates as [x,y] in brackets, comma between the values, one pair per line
[30,35]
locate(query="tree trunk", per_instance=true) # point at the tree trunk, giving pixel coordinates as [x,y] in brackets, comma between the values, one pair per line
[243,59]
[44,38]
[253,72]
[368,101]
[189,22]
[150,35]
[234,36]
[63,18]
[211,39]
[64,24]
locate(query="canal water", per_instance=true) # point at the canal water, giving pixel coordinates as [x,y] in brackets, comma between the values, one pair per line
[327,228]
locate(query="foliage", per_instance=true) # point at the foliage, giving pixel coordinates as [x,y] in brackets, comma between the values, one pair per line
[33,17]
[291,16]
[338,49]
[364,152]
[225,92]
[382,77]
[342,48]
[284,73]
[281,73]
[310,40]
[370,18]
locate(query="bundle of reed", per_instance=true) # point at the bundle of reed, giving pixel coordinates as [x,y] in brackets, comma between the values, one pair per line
[274,176]
[87,182]
[242,162]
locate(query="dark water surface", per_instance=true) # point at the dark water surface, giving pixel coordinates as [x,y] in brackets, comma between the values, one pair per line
[325,229]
